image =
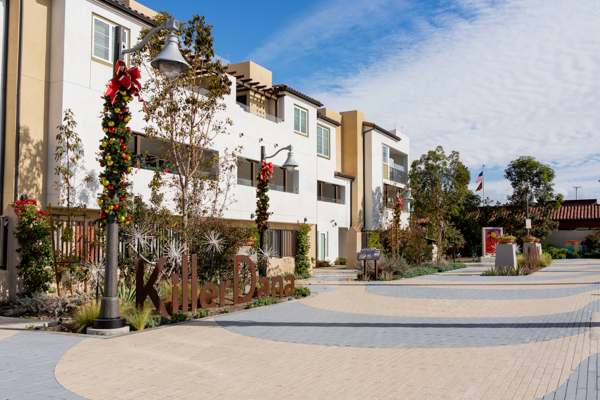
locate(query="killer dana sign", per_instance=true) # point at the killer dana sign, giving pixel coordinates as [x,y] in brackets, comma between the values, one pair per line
[208,292]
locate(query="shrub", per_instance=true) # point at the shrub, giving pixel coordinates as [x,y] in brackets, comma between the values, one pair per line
[265,301]
[385,276]
[592,254]
[35,252]
[180,317]
[45,305]
[323,264]
[545,260]
[85,315]
[139,318]
[301,276]
[301,291]
[374,241]
[302,248]
[393,265]
[592,241]
[572,254]
[520,260]
[340,261]
[201,313]
[419,271]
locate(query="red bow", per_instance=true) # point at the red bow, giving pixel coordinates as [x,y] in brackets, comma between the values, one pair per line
[266,169]
[128,78]
[399,202]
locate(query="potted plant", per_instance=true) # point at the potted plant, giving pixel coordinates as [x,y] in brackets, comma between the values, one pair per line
[506,239]
[529,239]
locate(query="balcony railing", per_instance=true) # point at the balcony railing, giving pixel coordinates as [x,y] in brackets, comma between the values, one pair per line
[331,200]
[398,176]
[259,113]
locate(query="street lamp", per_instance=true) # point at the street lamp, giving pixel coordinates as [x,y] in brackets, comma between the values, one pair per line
[171,64]
[289,165]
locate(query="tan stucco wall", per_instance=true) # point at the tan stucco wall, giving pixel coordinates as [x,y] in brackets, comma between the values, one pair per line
[252,70]
[353,247]
[134,5]
[34,101]
[352,160]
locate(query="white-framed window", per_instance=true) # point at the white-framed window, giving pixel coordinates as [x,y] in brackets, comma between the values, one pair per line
[322,141]
[386,153]
[300,121]
[103,40]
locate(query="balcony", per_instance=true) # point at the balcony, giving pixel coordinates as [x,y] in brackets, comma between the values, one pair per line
[259,113]
[331,193]
[397,175]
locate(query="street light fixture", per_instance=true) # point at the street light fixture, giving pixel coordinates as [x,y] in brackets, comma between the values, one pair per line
[171,64]
[289,165]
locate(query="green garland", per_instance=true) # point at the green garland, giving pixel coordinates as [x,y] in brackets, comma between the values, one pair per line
[262,202]
[115,157]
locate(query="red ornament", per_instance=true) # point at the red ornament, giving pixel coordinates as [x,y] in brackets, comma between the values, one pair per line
[120,117]
[110,187]
[124,110]
[128,218]
[121,140]
[116,207]
[124,205]
[166,170]
[102,216]
[101,148]
[102,165]
[122,183]
[128,129]
[121,199]
[111,130]
[123,147]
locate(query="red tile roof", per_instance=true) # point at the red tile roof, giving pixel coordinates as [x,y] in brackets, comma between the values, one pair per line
[326,118]
[577,212]
[343,175]
[382,130]
[286,88]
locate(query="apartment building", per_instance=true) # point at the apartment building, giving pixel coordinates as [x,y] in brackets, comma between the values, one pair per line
[350,170]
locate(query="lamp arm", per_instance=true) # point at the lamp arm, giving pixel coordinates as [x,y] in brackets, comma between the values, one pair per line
[144,40]
[280,150]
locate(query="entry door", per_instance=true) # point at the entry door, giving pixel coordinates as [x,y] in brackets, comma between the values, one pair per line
[322,247]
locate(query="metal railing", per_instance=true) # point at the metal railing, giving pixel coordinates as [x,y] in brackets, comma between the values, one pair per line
[331,200]
[397,176]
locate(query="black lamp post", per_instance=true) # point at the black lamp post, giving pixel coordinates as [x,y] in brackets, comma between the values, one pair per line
[170,63]
[290,165]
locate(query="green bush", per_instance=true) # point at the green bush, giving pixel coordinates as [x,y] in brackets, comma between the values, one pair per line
[592,242]
[301,276]
[302,248]
[545,260]
[85,315]
[340,261]
[265,301]
[35,252]
[301,291]
[180,317]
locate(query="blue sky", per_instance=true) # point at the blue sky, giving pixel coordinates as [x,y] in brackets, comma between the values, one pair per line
[493,79]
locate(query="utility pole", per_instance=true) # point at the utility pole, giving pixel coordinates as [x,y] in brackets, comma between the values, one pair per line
[577,192]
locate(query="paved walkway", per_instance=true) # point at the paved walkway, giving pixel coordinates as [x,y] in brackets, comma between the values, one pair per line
[443,336]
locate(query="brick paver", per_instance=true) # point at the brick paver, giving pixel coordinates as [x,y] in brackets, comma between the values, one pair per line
[447,336]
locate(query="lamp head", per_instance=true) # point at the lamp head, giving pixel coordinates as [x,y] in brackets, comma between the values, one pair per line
[290,164]
[169,61]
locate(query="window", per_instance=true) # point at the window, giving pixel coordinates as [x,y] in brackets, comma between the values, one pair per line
[386,152]
[282,181]
[103,39]
[300,121]
[282,242]
[391,195]
[331,193]
[322,141]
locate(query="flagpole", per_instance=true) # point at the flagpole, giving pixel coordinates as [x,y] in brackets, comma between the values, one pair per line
[483,187]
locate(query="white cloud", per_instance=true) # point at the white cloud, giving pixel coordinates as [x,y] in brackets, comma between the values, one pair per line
[517,77]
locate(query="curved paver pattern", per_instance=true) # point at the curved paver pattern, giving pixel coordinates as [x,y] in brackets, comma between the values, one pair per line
[582,384]
[27,361]
[354,299]
[299,323]
[426,292]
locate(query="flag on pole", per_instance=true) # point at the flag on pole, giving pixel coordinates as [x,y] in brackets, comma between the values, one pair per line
[479,178]
[479,187]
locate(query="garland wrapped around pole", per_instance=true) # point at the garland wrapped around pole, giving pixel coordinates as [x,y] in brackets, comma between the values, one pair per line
[262,200]
[114,155]
[397,214]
